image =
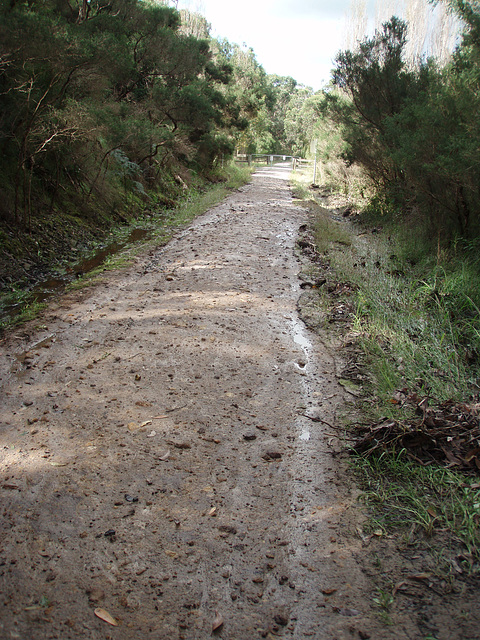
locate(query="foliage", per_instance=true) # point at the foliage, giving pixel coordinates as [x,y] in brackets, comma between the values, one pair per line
[414,131]
[98,96]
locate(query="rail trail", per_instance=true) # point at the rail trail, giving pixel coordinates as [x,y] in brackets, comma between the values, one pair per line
[161,476]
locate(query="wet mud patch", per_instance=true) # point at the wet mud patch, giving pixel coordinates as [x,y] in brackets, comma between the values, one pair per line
[325,301]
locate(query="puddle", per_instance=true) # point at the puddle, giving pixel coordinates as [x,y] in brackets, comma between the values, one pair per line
[55,285]
[301,339]
[45,343]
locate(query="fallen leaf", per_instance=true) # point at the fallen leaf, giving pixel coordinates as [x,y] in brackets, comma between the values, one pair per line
[143,403]
[472,454]
[171,554]
[133,426]
[165,456]
[213,511]
[218,621]
[58,464]
[399,586]
[420,576]
[328,592]
[105,616]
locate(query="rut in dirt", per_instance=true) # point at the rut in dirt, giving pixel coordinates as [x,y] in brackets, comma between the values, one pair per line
[158,462]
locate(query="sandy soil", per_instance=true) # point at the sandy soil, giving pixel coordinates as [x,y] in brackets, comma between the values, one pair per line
[157,463]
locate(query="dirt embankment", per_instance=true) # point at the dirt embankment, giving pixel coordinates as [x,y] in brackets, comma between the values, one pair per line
[169,452]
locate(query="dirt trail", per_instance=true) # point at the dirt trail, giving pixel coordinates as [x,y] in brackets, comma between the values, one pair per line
[155,460]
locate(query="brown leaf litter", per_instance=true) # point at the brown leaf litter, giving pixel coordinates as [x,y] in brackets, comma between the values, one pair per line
[447,434]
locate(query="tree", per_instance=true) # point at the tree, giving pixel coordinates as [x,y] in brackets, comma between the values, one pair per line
[415,130]
[376,84]
[102,91]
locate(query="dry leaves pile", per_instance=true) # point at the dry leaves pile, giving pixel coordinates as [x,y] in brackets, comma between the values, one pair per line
[448,434]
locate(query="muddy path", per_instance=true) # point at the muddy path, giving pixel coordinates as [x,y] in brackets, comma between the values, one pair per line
[156,458]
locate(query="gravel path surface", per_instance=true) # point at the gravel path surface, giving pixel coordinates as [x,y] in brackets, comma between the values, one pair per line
[157,462]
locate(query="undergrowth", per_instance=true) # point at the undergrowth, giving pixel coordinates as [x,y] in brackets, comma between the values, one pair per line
[416,327]
[417,323]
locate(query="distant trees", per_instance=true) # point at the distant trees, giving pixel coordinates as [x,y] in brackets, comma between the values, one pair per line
[249,95]
[260,104]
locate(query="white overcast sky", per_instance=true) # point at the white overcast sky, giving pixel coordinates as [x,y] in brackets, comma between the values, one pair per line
[297,38]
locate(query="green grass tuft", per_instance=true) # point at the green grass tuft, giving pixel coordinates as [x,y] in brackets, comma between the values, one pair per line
[431,499]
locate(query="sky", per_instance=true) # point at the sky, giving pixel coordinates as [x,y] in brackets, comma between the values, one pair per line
[297,38]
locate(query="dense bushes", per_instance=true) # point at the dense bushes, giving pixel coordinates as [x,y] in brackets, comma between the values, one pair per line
[105,102]
[98,97]
[415,131]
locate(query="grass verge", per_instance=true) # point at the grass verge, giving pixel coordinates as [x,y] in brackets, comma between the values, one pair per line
[415,329]
[436,502]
